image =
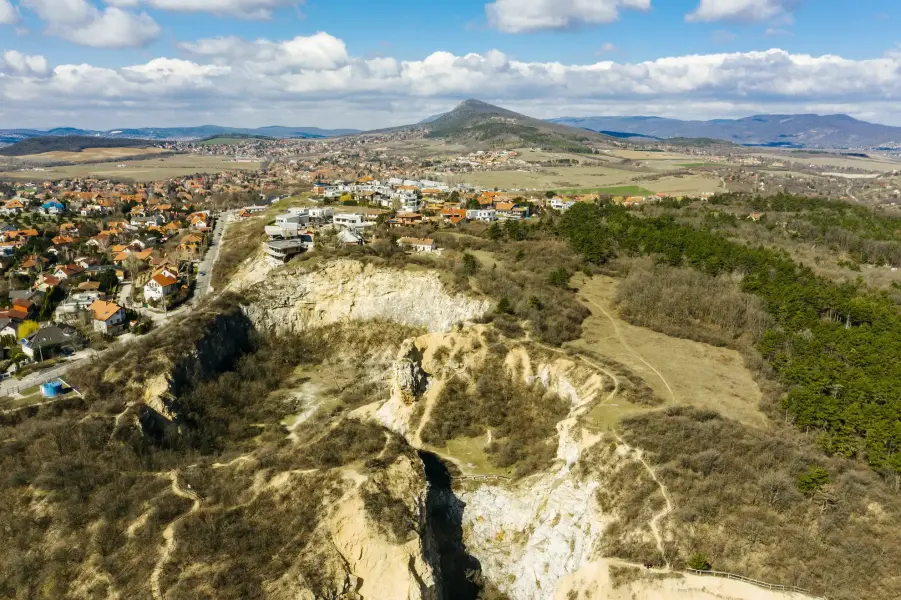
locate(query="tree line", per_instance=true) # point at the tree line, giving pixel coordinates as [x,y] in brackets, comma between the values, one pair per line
[833,345]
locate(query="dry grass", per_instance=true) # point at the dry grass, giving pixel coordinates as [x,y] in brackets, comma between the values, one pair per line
[92,154]
[153,169]
[737,501]
[694,373]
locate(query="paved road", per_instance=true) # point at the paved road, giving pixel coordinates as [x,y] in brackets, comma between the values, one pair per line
[203,285]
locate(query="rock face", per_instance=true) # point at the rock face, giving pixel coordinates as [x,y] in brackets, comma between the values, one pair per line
[529,537]
[377,566]
[409,378]
[302,297]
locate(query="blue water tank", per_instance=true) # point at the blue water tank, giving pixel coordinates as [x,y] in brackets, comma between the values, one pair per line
[52,389]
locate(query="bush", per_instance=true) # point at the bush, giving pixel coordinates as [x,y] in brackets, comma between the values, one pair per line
[812,481]
[522,418]
[698,562]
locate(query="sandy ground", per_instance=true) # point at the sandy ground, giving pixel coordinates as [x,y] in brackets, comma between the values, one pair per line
[681,371]
[593,582]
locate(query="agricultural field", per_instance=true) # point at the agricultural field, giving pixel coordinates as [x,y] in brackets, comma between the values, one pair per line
[622,190]
[224,141]
[874,162]
[153,169]
[609,180]
[91,154]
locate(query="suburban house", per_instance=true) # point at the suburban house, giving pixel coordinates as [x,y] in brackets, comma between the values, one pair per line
[288,225]
[405,219]
[12,207]
[426,245]
[486,215]
[351,221]
[67,271]
[154,220]
[52,207]
[281,251]
[46,283]
[45,342]
[159,287]
[72,308]
[558,203]
[109,317]
[9,327]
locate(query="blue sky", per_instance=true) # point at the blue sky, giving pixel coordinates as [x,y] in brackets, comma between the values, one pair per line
[361,63]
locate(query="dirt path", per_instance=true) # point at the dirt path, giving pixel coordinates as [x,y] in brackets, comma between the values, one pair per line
[627,346]
[424,420]
[118,421]
[654,523]
[169,534]
[234,461]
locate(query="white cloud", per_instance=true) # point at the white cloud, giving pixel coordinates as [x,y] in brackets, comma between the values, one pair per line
[81,22]
[320,51]
[8,13]
[249,9]
[518,16]
[742,10]
[22,65]
[313,80]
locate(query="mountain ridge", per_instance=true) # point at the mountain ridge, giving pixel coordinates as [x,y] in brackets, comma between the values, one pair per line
[199,132]
[475,121]
[786,130]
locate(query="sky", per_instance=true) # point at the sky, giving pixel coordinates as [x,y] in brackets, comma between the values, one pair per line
[106,64]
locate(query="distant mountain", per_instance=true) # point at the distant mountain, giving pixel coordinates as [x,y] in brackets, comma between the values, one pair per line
[67,143]
[791,131]
[11,136]
[474,121]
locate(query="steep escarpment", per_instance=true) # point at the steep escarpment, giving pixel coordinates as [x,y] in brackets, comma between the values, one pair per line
[329,447]
[304,296]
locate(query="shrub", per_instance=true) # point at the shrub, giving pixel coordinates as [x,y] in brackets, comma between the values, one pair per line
[698,562]
[813,480]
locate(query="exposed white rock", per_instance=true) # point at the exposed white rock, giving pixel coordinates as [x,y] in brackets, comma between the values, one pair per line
[301,297]
[530,536]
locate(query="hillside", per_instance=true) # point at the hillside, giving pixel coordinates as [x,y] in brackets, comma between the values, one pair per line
[67,143]
[503,423]
[795,131]
[479,122]
[12,136]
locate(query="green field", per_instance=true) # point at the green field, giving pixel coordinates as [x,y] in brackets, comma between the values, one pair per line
[622,190]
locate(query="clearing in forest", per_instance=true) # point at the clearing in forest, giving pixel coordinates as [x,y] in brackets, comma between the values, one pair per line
[680,371]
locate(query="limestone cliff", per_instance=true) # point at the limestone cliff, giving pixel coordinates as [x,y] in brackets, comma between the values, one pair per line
[304,296]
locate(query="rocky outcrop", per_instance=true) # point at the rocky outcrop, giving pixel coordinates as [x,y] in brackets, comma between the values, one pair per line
[215,347]
[303,296]
[528,537]
[377,566]
[409,379]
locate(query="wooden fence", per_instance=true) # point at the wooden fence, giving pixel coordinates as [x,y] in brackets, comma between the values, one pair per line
[763,584]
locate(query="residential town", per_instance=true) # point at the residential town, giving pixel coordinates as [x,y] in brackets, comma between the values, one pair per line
[85,261]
